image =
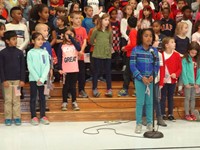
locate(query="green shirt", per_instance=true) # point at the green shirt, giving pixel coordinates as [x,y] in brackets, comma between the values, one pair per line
[102,41]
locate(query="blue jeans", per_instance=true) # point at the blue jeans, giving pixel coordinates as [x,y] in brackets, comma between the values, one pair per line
[97,69]
[143,98]
[156,103]
[167,92]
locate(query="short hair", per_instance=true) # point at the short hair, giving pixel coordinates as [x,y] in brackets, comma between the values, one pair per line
[166,41]
[74,13]
[166,8]
[13,9]
[87,7]
[36,35]
[186,7]
[157,21]
[140,35]
[60,9]
[180,1]
[132,22]
[9,34]
[64,19]
[39,26]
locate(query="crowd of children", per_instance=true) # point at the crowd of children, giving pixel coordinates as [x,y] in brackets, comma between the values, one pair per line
[51,41]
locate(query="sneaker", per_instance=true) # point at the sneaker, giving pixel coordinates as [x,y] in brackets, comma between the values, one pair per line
[44,120]
[18,121]
[161,122]
[138,129]
[82,94]
[124,67]
[89,79]
[96,93]
[102,79]
[109,93]
[8,122]
[75,106]
[35,121]
[122,92]
[180,93]
[64,106]
[196,113]
[149,127]
[171,118]
[193,117]
[144,121]
[188,118]
[164,117]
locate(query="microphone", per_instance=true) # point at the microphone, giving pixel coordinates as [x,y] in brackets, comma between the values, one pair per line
[152,52]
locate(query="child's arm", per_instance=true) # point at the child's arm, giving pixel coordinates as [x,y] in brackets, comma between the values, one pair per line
[123,29]
[46,69]
[53,41]
[2,64]
[22,69]
[75,43]
[60,59]
[23,46]
[198,77]
[31,66]
[179,64]
[93,37]
[132,42]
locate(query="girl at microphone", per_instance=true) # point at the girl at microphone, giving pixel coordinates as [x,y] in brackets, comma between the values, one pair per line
[169,73]
[141,64]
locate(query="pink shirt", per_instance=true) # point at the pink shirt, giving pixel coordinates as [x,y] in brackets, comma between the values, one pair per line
[69,58]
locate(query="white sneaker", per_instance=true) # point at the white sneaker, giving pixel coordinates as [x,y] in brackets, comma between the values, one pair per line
[149,127]
[138,128]
[64,106]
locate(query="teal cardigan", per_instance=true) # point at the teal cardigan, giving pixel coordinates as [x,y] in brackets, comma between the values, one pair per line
[188,72]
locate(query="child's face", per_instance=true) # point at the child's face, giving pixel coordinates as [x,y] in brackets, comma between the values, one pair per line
[116,4]
[156,42]
[193,53]
[44,31]
[45,13]
[61,13]
[12,41]
[165,5]
[156,27]
[17,15]
[76,7]
[105,22]
[76,20]
[113,15]
[2,30]
[187,13]
[165,13]
[129,10]
[38,41]
[147,38]
[146,13]
[89,12]
[23,2]
[59,22]
[145,3]
[171,45]
[133,3]
[67,33]
[180,4]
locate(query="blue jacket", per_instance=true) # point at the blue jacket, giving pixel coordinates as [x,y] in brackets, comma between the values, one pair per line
[188,72]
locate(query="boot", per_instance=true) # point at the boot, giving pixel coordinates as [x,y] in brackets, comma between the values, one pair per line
[161,122]
[144,121]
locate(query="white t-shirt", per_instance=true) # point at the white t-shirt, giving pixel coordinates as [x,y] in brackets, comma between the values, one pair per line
[140,6]
[167,74]
[2,45]
[196,37]
[95,5]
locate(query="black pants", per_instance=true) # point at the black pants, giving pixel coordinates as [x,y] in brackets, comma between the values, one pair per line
[107,68]
[81,75]
[70,86]
[34,88]
[127,75]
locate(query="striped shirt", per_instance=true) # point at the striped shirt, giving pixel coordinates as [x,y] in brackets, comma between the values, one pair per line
[141,62]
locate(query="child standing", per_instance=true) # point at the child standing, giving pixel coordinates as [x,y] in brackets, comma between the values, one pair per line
[169,73]
[68,66]
[147,19]
[38,66]
[2,30]
[127,75]
[81,36]
[134,3]
[196,34]
[12,71]
[102,40]
[141,64]
[116,5]
[191,78]
[87,22]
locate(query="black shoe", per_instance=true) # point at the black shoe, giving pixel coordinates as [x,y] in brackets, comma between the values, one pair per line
[22,96]
[164,117]
[171,118]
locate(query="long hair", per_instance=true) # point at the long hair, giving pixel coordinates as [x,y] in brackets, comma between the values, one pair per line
[100,25]
[34,13]
[124,11]
[68,29]
[150,17]
[197,25]
[179,27]
[140,35]
[193,46]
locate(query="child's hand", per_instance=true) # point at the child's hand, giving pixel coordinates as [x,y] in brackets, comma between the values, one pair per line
[160,87]
[39,82]
[51,73]
[196,86]
[21,83]
[173,75]
[123,49]
[150,79]
[80,54]
[5,84]
[61,72]
[145,80]
[187,86]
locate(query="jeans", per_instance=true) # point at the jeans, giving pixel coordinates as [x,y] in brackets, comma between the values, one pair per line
[189,102]
[107,69]
[34,88]
[81,75]
[167,92]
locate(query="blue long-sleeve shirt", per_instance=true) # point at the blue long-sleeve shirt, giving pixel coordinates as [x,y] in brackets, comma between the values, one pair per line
[141,62]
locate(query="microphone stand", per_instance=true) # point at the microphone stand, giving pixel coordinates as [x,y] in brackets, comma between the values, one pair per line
[153,133]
